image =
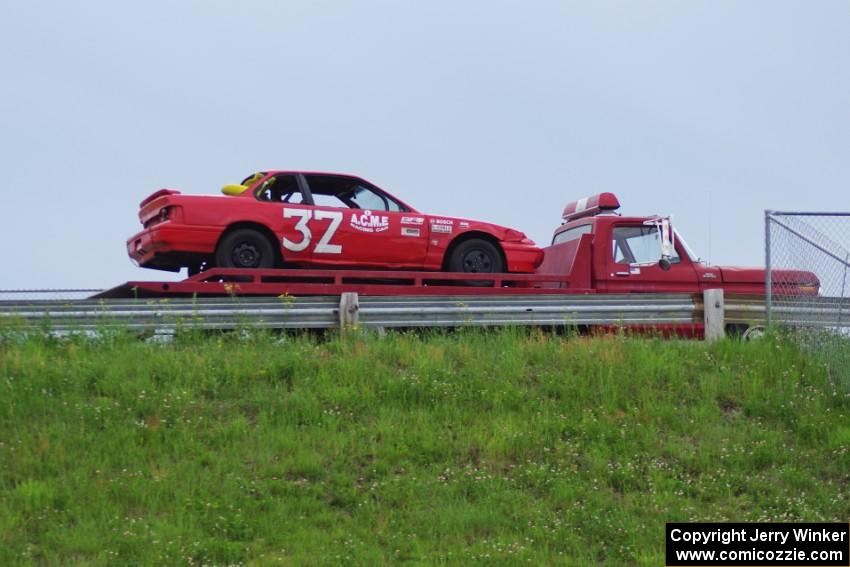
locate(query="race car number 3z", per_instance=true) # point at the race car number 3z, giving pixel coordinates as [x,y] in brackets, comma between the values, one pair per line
[304,216]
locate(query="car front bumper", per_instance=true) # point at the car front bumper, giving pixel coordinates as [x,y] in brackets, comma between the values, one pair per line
[522,257]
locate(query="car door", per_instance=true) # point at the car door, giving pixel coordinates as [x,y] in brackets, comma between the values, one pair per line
[363,226]
[633,253]
[288,213]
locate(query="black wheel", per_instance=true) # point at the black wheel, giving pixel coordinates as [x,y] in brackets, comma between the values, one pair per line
[245,248]
[476,256]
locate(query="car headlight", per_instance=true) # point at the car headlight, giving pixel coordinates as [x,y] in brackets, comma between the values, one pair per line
[515,236]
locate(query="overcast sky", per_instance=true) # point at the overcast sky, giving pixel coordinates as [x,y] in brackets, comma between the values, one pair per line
[500,111]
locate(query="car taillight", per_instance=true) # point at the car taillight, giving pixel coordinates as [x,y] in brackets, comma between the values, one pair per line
[169,213]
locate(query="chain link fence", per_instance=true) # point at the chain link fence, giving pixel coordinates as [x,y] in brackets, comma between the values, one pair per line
[808,283]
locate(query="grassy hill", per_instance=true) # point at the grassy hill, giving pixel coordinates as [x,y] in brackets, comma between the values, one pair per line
[507,447]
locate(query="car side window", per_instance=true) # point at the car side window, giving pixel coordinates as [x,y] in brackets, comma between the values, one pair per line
[364,198]
[327,201]
[280,189]
[342,191]
[637,245]
[572,233]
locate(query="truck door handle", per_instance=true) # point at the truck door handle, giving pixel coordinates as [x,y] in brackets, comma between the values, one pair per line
[622,273]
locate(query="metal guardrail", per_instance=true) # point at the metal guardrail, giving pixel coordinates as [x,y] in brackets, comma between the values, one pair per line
[525,310]
[327,312]
[816,312]
[373,312]
[162,315]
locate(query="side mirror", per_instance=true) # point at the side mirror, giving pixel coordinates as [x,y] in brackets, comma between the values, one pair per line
[667,239]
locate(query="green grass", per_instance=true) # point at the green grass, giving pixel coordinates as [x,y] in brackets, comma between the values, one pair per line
[507,447]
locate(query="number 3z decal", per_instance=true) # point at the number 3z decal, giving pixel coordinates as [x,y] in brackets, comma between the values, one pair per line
[304,216]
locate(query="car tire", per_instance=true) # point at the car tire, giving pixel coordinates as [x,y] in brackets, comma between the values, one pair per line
[245,248]
[476,256]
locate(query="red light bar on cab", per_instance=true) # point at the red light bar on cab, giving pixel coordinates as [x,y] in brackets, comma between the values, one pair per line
[590,206]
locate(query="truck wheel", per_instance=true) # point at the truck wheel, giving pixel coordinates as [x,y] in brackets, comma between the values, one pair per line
[245,248]
[754,333]
[476,256]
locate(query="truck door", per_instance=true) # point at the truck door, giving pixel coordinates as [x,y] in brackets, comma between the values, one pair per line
[633,253]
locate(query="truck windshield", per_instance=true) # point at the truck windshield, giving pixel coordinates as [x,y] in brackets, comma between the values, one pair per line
[638,245]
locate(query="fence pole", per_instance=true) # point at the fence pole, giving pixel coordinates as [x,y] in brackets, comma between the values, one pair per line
[712,301]
[768,277]
[843,286]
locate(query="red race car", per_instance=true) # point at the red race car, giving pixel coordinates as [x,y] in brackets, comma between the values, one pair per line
[285,218]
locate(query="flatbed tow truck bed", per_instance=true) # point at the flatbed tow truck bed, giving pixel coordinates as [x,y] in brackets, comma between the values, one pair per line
[304,282]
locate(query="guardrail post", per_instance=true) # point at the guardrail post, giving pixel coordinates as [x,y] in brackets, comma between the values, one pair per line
[349,310]
[712,300]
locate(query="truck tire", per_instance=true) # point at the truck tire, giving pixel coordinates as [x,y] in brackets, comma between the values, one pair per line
[245,248]
[754,333]
[476,256]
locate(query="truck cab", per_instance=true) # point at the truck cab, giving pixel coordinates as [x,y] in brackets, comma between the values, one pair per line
[640,254]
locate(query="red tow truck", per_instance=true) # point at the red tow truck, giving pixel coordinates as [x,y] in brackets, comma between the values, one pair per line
[595,250]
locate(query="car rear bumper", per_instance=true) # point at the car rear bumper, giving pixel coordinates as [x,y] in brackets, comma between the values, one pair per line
[168,246]
[522,258]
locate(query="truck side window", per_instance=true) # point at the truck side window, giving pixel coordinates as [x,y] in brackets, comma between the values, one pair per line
[637,245]
[572,233]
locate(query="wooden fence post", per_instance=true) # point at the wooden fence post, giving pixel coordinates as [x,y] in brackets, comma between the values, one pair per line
[712,300]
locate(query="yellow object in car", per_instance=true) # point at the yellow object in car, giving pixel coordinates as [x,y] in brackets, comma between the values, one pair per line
[234,189]
[239,188]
